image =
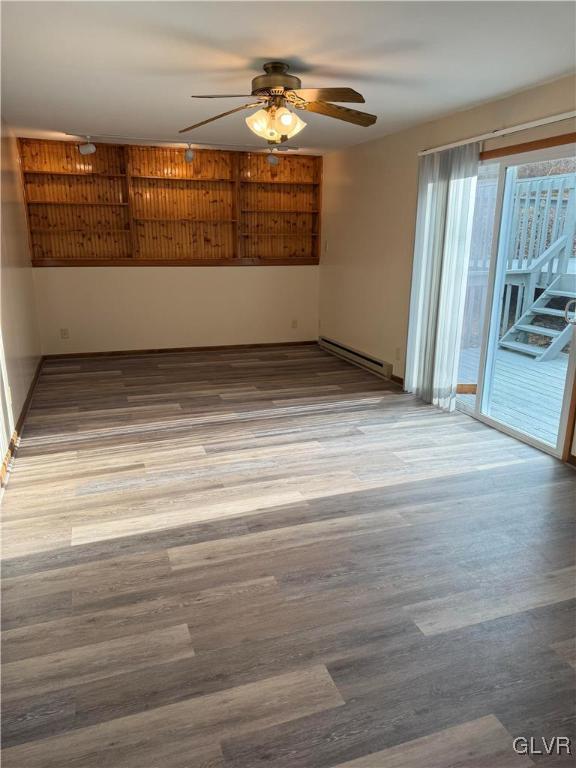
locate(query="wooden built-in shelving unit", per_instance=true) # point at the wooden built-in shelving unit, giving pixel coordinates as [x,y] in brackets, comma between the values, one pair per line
[130,205]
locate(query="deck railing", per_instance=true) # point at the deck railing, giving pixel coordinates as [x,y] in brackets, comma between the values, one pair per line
[543,209]
[541,245]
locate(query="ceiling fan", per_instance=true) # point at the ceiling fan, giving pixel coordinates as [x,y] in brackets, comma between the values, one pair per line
[275,92]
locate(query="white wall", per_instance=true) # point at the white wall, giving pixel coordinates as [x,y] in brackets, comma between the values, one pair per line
[370,211]
[21,342]
[118,308]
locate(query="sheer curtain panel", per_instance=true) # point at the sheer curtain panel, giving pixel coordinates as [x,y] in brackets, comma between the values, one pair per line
[446,191]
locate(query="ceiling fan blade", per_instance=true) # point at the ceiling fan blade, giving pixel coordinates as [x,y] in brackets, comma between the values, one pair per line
[341,113]
[217,117]
[330,94]
[223,96]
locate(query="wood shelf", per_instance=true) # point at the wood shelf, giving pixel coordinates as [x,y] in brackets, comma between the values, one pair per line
[75,262]
[89,174]
[274,210]
[274,181]
[83,231]
[137,262]
[232,211]
[187,221]
[67,202]
[181,178]
[279,234]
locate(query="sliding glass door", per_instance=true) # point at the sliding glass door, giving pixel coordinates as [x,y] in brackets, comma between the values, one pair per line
[517,337]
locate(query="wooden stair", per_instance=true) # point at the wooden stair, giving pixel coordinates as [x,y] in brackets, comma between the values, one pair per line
[563,287]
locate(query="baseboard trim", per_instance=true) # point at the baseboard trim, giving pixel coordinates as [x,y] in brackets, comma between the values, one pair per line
[176,350]
[15,439]
[373,365]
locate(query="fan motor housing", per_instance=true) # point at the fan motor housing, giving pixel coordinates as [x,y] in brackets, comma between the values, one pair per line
[276,77]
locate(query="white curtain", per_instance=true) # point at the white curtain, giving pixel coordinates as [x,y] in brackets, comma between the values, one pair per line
[446,191]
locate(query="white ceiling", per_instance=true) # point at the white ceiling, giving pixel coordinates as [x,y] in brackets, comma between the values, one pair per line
[128,68]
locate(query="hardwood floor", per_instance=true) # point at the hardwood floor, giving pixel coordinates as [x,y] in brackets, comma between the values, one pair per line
[268,557]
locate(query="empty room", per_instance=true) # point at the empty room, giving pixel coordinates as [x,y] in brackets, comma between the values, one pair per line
[288,384]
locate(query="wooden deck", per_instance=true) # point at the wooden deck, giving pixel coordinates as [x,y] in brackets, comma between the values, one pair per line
[527,394]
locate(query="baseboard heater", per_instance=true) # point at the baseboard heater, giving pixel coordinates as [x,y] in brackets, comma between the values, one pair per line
[379,367]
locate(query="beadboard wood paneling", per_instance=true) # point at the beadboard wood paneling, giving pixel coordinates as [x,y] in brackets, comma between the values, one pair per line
[58,188]
[71,246]
[68,217]
[298,168]
[169,163]
[271,197]
[210,241]
[63,157]
[175,199]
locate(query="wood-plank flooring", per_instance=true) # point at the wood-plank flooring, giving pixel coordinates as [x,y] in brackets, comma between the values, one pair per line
[268,557]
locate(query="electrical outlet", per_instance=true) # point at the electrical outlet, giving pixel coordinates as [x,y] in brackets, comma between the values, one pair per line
[64,333]
[294,323]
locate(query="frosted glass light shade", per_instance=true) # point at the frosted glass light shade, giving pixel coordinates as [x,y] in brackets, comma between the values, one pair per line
[258,123]
[87,149]
[288,123]
[274,124]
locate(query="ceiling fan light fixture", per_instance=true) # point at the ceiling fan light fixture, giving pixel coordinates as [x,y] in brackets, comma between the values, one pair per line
[189,154]
[275,91]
